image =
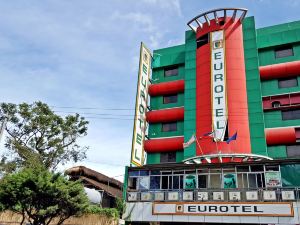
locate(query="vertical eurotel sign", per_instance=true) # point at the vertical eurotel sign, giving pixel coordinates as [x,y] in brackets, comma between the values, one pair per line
[139,129]
[218,84]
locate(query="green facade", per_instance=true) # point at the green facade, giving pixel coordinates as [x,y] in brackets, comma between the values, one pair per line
[255,111]
[164,58]
[190,93]
[268,39]
[259,46]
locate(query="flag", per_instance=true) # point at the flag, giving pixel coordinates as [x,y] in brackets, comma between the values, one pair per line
[209,134]
[232,138]
[189,142]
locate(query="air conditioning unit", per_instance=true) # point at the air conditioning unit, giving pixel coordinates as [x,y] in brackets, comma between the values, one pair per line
[146,196]
[235,196]
[173,196]
[187,195]
[269,195]
[218,196]
[132,196]
[202,196]
[251,195]
[159,196]
[288,195]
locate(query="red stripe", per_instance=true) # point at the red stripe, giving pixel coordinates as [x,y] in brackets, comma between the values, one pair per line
[289,69]
[166,88]
[280,136]
[238,120]
[165,115]
[164,145]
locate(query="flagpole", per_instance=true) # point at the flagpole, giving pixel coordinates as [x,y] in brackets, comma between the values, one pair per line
[198,144]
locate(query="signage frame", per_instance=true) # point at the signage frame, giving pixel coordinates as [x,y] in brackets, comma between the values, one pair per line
[224,203]
[219,107]
[137,150]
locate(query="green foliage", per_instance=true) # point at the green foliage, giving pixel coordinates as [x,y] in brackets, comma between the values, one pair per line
[109,212]
[120,205]
[37,136]
[40,196]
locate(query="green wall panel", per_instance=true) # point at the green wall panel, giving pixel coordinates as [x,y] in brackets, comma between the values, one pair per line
[179,156]
[277,152]
[256,117]
[159,77]
[267,56]
[290,175]
[190,93]
[270,87]
[155,130]
[278,34]
[168,56]
[274,119]
[153,158]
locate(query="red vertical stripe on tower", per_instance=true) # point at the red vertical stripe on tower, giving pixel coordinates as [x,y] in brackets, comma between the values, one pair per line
[236,91]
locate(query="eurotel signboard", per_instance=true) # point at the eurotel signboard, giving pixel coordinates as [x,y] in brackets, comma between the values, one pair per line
[139,129]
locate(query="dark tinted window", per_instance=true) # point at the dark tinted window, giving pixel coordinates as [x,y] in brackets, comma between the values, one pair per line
[292,114]
[168,157]
[155,182]
[202,181]
[170,99]
[172,71]
[293,150]
[284,52]
[202,40]
[288,82]
[169,127]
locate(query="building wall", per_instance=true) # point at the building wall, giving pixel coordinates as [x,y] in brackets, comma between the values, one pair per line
[164,58]
[269,39]
[259,46]
[190,92]
[256,117]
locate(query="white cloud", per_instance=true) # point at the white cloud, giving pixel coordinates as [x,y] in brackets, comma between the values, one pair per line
[141,20]
[172,5]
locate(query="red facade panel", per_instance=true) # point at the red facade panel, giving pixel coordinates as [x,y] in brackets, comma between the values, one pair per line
[288,69]
[238,120]
[286,101]
[166,88]
[164,145]
[165,115]
[280,136]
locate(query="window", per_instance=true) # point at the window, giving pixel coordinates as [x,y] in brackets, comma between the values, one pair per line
[292,114]
[168,157]
[167,127]
[202,40]
[288,82]
[170,99]
[293,150]
[154,182]
[284,51]
[276,104]
[202,181]
[171,71]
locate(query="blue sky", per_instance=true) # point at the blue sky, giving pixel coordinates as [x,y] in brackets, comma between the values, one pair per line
[84,55]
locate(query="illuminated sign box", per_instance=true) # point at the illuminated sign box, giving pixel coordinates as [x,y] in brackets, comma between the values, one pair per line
[132,196]
[173,196]
[282,209]
[146,196]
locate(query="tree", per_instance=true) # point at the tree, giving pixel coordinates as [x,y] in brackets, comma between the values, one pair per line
[41,196]
[36,135]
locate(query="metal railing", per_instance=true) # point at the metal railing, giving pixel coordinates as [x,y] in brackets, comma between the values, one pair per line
[218,195]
